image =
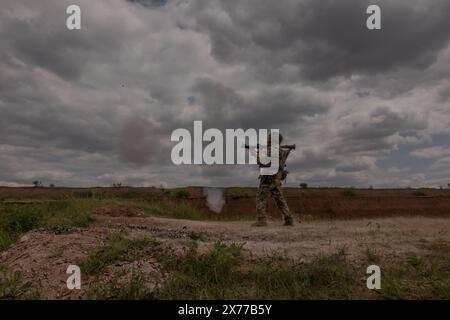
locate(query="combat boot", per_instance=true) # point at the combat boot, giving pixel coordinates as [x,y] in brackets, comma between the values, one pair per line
[288,221]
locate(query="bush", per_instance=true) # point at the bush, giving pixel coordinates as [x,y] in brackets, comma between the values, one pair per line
[181,194]
[184,211]
[349,192]
[16,220]
[420,193]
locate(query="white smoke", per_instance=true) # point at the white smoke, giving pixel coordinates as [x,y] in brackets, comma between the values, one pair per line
[214,199]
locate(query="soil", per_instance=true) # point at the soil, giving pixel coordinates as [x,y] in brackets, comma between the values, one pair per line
[311,203]
[43,256]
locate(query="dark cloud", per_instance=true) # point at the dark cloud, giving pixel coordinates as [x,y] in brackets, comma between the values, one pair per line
[318,40]
[149,3]
[98,105]
[380,123]
[271,108]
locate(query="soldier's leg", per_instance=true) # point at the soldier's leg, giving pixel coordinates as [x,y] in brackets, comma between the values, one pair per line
[261,205]
[282,205]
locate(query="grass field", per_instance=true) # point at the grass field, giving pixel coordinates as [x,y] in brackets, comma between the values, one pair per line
[139,249]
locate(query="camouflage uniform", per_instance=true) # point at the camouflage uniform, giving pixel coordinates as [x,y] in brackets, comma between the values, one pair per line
[271,185]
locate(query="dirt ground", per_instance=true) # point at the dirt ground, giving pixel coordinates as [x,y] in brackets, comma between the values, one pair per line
[42,256]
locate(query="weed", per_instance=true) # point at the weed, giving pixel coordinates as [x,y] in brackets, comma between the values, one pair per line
[115,249]
[180,194]
[415,262]
[202,276]
[372,256]
[197,236]
[123,287]
[12,286]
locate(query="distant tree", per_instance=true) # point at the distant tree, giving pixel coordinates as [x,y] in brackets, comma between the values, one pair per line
[37,183]
[52,185]
[117,185]
[303,185]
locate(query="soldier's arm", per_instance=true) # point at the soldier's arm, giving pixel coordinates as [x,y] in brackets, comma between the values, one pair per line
[258,161]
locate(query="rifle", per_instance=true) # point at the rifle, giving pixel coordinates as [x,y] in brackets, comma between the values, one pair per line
[286,146]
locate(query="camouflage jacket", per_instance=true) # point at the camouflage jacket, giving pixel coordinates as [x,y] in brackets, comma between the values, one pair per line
[283,155]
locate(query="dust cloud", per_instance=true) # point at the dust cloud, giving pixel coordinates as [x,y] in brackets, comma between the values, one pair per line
[214,199]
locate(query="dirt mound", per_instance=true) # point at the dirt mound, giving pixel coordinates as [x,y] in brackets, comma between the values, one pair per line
[119,211]
[42,258]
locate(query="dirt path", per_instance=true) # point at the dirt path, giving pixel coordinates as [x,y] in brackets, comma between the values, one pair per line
[389,236]
[42,256]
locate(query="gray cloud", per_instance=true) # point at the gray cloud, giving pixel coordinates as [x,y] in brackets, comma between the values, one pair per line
[318,40]
[97,106]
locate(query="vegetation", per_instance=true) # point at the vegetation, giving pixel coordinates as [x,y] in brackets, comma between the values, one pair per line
[350,192]
[133,289]
[219,270]
[16,219]
[225,272]
[420,193]
[180,194]
[12,286]
[117,248]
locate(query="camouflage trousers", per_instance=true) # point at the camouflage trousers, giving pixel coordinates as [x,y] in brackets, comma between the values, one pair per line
[271,189]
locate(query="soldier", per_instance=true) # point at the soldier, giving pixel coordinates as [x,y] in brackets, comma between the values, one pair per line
[270,185]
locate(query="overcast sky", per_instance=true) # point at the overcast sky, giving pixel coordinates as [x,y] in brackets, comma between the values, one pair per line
[97,106]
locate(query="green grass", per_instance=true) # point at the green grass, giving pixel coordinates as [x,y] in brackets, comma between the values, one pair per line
[16,219]
[201,276]
[424,277]
[325,277]
[12,286]
[222,273]
[180,194]
[133,289]
[226,271]
[116,248]
[372,256]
